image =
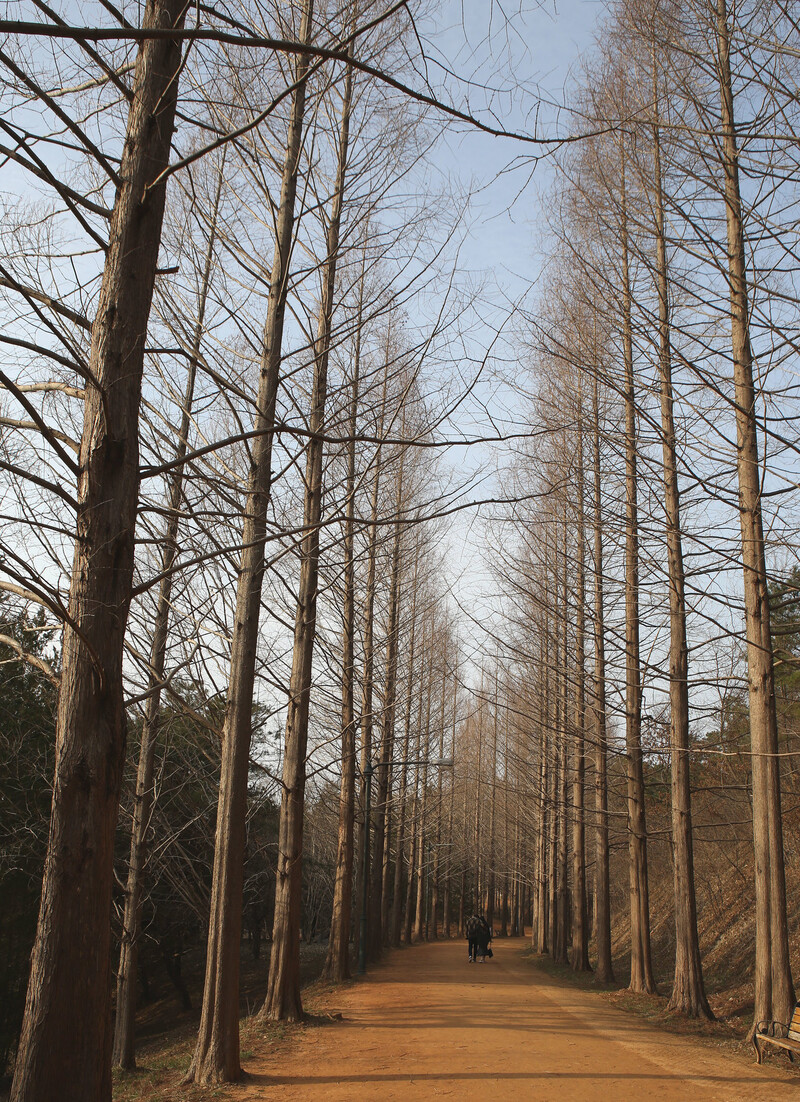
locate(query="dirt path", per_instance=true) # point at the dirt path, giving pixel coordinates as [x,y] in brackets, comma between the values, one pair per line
[427,1025]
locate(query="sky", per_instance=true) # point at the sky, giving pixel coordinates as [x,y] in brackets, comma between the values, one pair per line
[526,60]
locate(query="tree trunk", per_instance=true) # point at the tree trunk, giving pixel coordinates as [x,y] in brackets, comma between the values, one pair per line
[419,925]
[377,909]
[580,928]
[602,925]
[688,992]
[337,962]
[283,999]
[492,880]
[216,1054]
[561,939]
[124,1047]
[397,896]
[64,1050]
[641,961]
[774,989]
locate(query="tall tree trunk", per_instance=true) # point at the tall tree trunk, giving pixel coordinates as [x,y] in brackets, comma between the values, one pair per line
[493,811]
[397,896]
[283,999]
[542,922]
[475,909]
[774,989]
[448,867]
[433,934]
[602,924]
[561,939]
[378,911]
[641,960]
[124,1047]
[368,682]
[65,1046]
[408,915]
[422,880]
[688,992]
[216,1054]
[580,926]
[337,961]
[64,1050]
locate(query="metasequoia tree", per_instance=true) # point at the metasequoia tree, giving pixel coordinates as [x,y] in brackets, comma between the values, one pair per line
[123,1054]
[774,990]
[283,992]
[688,992]
[70,961]
[216,1056]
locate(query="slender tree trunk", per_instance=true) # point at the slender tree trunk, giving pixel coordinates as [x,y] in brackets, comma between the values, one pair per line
[477,857]
[580,927]
[378,911]
[409,917]
[688,992]
[641,961]
[397,897]
[493,813]
[438,844]
[774,989]
[602,925]
[542,923]
[448,867]
[216,1054]
[419,925]
[283,999]
[337,962]
[124,1047]
[368,683]
[561,939]
[64,1050]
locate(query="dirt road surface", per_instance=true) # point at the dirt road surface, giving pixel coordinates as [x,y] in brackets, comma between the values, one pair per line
[427,1025]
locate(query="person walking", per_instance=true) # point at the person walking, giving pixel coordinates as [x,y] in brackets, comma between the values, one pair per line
[479,935]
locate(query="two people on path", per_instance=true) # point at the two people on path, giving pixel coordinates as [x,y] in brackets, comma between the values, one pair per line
[479,934]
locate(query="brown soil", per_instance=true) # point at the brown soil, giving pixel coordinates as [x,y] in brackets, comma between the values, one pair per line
[426,1024]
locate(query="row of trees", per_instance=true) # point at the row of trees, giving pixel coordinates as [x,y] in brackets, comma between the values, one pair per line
[646,579]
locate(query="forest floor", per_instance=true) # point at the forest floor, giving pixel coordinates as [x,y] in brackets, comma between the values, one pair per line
[426,1024]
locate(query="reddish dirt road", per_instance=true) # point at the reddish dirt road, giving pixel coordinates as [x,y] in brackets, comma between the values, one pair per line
[429,1025]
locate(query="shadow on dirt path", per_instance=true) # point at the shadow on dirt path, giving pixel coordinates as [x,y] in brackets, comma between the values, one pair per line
[426,1024]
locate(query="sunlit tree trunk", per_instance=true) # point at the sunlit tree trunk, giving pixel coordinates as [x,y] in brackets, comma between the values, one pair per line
[774,989]
[580,926]
[688,991]
[337,961]
[641,960]
[602,925]
[283,999]
[216,1055]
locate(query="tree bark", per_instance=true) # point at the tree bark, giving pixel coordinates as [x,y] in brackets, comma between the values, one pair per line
[774,989]
[337,962]
[580,928]
[124,1047]
[283,1001]
[368,683]
[688,991]
[641,959]
[216,1054]
[605,970]
[397,895]
[378,909]
[64,1050]
[561,939]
